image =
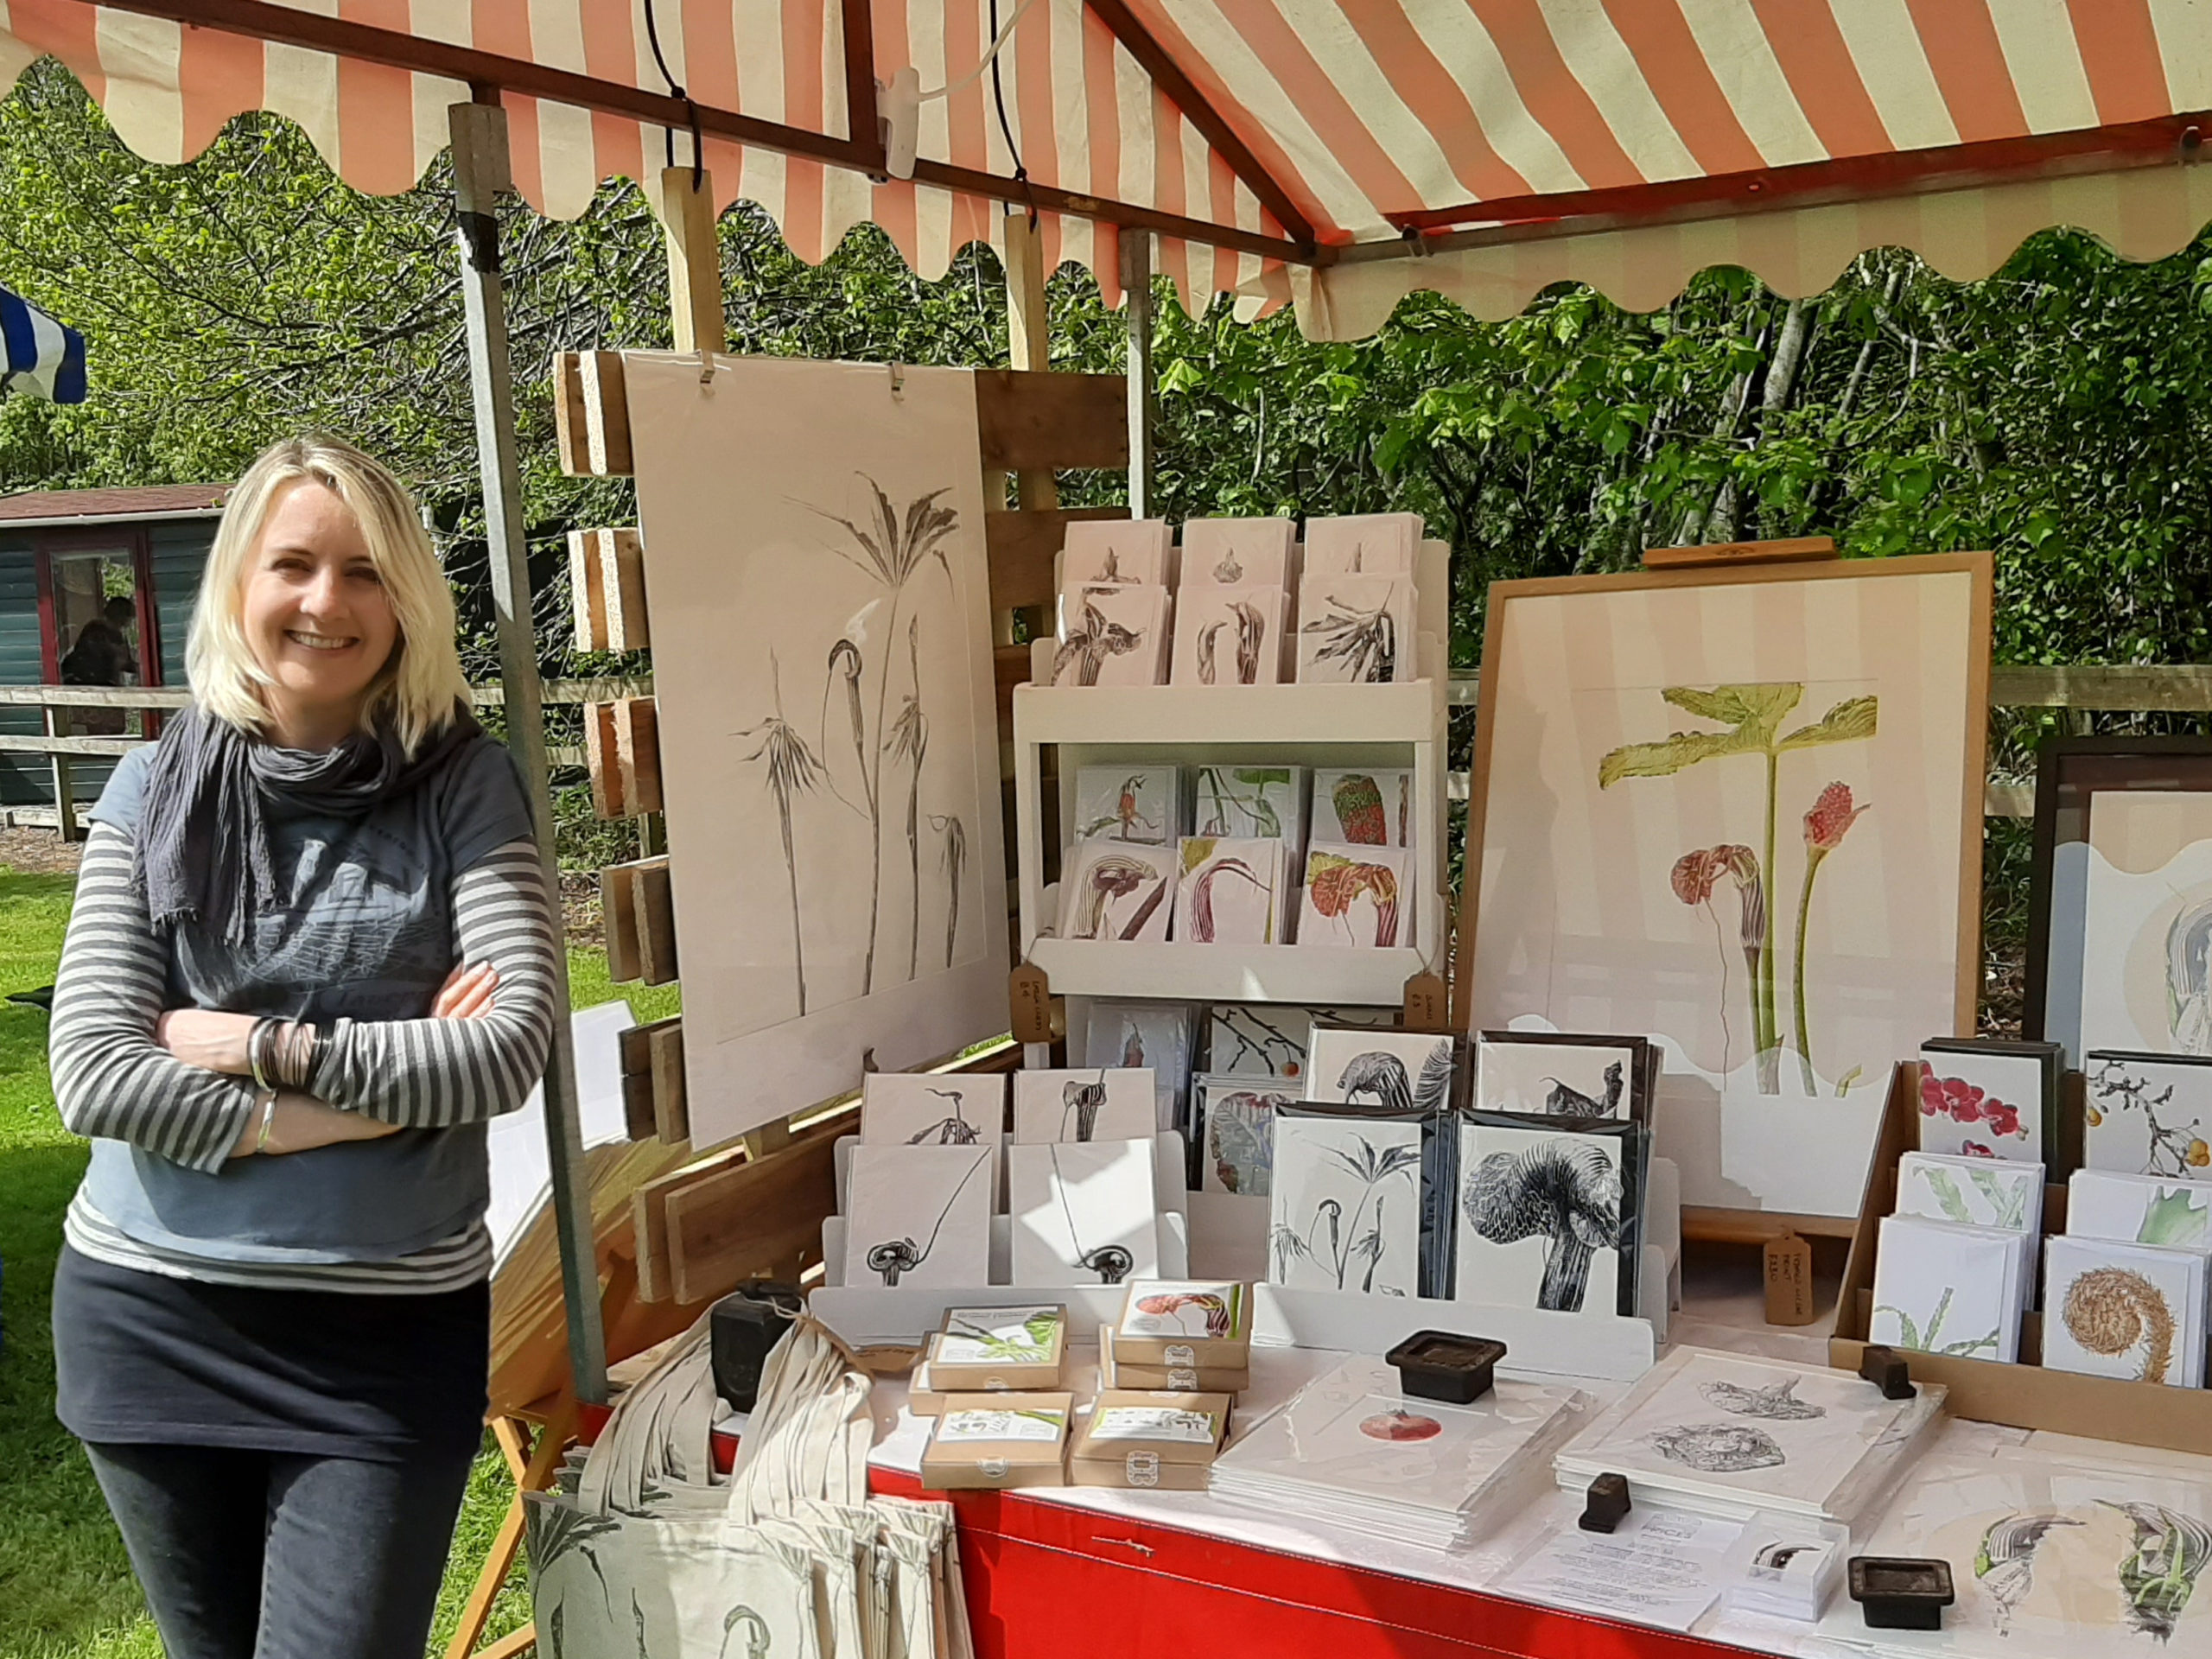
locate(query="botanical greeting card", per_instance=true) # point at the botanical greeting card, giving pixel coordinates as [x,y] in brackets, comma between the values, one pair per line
[1248,801]
[1385,1071]
[2140,1209]
[1559,1075]
[1542,1220]
[1344,1208]
[1369,807]
[1117,890]
[2126,1310]
[1007,1336]
[1232,552]
[1083,1213]
[1988,1099]
[930,1109]
[1981,1191]
[1356,630]
[1356,896]
[920,1215]
[1252,1040]
[1113,636]
[1130,802]
[2148,1114]
[2146,972]
[1235,1120]
[1229,635]
[1212,1309]
[1111,1103]
[1116,551]
[1230,891]
[1942,1288]
[1364,542]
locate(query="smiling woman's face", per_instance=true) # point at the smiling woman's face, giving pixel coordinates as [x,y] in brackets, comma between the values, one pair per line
[316,616]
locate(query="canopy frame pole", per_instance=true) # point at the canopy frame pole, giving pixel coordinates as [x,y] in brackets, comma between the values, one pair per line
[1135,260]
[481,172]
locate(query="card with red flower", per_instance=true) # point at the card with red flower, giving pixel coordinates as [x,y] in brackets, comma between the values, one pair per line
[1982,1097]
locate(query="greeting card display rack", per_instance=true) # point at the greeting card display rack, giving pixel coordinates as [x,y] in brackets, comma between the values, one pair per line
[1395,724]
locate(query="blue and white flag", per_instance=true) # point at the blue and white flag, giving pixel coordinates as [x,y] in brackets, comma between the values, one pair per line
[44,357]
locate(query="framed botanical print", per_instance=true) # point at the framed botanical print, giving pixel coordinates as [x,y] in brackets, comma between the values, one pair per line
[1737,810]
[2121,896]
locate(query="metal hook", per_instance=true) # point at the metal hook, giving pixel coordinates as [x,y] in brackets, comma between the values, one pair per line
[706,367]
[898,379]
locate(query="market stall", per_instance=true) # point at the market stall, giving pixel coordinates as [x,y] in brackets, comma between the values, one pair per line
[1259,1066]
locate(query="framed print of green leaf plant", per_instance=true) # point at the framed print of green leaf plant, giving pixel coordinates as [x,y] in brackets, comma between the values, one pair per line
[1736,808]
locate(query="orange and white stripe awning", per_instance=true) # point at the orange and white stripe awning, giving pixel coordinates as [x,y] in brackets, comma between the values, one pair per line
[1625,143]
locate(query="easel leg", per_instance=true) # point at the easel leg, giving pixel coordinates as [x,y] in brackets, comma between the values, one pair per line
[533,1473]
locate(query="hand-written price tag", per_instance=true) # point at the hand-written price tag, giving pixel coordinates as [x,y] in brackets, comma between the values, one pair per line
[1789,1280]
[1031,996]
[1425,1009]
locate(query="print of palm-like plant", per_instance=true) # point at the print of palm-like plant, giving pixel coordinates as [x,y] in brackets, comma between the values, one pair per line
[910,742]
[1328,1242]
[1365,641]
[955,864]
[793,770]
[1752,716]
[896,546]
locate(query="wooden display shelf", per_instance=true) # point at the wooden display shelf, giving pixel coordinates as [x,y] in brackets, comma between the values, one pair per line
[1153,716]
[1309,976]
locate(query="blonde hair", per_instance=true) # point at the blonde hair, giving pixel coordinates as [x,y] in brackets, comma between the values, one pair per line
[418,687]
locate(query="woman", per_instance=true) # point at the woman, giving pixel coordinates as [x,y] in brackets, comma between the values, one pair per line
[312,955]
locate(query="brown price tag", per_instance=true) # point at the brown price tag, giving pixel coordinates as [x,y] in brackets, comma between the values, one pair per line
[1030,995]
[1425,1009]
[1789,1280]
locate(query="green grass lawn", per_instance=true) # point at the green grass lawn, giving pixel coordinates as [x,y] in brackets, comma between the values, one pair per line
[68,1590]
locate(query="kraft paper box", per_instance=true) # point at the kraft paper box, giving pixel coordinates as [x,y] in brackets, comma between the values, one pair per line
[1184,1379]
[986,1350]
[1184,1325]
[998,1441]
[1162,1441]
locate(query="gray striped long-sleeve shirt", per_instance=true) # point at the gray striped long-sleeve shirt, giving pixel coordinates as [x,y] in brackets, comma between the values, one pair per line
[112,1080]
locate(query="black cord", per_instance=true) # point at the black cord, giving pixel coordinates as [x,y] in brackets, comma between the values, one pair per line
[1005,127]
[676,90]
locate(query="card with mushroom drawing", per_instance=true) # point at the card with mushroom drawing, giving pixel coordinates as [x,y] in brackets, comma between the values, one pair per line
[2140,1209]
[2052,1555]
[1235,552]
[1791,1437]
[1370,806]
[918,1216]
[1117,890]
[1113,636]
[1945,1287]
[1084,1213]
[1988,1097]
[1547,1218]
[1229,635]
[1115,552]
[1236,1132]
[2147,1114]
[1553,1074]
[1356,630]
[1357,897]
[1344,1208]
[2135,1311]
[1109,1103]
[1230,891]
[1137,801]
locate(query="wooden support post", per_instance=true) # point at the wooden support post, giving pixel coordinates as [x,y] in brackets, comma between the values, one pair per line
[481,173]
[1136,292]
[695,260]
[65,783]
[1029,335]
[532,1473]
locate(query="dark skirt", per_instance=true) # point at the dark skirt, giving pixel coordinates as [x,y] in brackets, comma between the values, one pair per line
[141,1358]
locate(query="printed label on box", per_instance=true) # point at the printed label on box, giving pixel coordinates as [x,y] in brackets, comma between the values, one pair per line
[1181,1353]
[1154,1423]
[1142,1468]
[968,1426]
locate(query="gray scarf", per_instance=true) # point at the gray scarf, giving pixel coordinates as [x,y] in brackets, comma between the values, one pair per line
[204,851]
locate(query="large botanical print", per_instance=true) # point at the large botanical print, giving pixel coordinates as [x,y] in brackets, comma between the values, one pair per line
[828,743]
[1738,810]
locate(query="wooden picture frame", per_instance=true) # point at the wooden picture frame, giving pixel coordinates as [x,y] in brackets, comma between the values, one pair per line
[1780,622]
[2068,770]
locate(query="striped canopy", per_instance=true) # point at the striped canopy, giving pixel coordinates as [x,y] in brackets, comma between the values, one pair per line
[1335,152]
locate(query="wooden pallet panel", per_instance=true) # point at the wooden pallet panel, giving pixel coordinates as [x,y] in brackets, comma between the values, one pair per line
[591,414]
[1032,419]
[586,585]
[637,1107]
[649,1220]
[602,761]
[637,747]
[654,1054]
[656,923]
[607,590]
[755,1218]
[627,910]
